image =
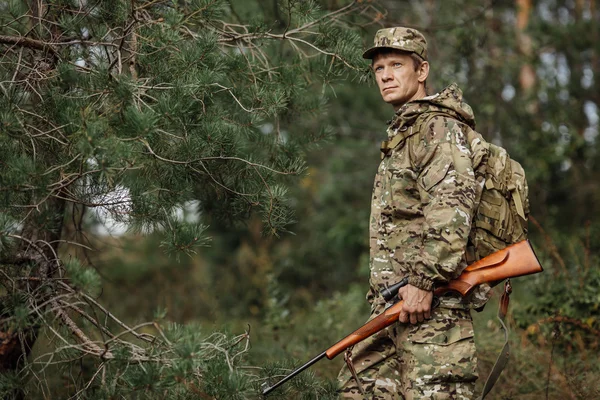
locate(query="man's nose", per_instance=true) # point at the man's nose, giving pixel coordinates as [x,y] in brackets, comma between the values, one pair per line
[386,74]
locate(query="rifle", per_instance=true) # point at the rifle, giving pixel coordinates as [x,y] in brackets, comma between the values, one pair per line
[513,261]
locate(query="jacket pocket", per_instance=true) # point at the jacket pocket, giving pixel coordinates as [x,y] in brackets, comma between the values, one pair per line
[442,350]
[434,173]
[448,326]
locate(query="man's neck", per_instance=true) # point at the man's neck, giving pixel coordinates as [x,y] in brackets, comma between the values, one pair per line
[421,93]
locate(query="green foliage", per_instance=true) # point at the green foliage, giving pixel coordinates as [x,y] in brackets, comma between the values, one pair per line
[303,334]
[185,238]
[18,307]
[537,365]
[82,277]
[7,226]
[221,380]
[10,382]
[568,291]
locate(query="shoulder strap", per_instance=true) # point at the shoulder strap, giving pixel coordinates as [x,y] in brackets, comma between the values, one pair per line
[388,145]
[407,131]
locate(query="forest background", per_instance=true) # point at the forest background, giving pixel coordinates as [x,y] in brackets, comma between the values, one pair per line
[185,188]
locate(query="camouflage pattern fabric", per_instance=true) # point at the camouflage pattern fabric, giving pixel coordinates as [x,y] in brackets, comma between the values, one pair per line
[405,39]
[426,190]
[432,360]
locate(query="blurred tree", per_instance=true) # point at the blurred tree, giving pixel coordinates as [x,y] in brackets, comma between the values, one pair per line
[529,70]
[134,109]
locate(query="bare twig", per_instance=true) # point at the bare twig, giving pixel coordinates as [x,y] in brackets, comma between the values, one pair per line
[72,326]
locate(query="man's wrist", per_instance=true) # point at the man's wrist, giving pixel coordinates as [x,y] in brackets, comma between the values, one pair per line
[421,282]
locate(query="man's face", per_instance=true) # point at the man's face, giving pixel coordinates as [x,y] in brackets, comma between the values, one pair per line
[397,79]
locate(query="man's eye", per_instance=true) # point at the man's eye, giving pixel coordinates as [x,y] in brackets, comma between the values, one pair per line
[377,69]
[397,65]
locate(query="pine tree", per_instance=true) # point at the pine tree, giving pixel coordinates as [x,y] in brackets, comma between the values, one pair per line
[134,109]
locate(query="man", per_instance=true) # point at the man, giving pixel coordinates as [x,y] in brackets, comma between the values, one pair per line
[426,191]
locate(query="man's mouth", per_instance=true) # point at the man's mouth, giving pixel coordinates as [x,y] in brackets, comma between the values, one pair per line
[389,88]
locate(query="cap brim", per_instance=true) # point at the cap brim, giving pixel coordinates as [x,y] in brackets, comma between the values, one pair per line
[370,53]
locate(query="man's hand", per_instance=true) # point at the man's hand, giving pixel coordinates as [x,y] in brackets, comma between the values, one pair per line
[417,304]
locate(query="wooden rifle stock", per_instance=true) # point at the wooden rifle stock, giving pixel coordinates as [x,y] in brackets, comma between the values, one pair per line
[515,260]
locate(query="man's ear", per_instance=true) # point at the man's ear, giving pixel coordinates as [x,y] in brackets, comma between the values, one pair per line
[423,71]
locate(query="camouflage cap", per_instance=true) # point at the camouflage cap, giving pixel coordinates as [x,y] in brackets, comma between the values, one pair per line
[406,39]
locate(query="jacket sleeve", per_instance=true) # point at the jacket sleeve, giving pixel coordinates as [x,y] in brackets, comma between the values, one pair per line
[448,190]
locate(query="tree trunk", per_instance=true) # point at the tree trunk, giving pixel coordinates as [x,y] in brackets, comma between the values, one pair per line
[527,76]
[38,246]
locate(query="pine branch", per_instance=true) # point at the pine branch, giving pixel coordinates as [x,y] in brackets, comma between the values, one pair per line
[201,110]
[27,42]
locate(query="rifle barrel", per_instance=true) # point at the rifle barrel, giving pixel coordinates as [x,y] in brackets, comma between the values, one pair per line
[291,375]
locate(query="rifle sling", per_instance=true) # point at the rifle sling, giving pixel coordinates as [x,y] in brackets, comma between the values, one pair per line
[502,359]
[348,359]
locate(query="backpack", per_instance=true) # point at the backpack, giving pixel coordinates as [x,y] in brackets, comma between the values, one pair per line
[501,217]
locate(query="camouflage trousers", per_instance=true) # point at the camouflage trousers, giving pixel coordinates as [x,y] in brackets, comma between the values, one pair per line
[432,360]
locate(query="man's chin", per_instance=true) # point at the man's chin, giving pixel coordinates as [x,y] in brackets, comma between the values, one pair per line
[394,102]
[390,98]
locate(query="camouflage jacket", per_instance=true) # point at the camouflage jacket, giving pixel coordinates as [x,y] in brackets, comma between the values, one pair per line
[426,191]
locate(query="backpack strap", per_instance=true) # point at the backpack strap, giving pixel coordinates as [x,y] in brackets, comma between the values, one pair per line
[406,131]
[389,145]
[502,359]
[517,200]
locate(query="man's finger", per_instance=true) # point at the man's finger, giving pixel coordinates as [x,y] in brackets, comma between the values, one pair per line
[427,314]
[413,318]
[403,317]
